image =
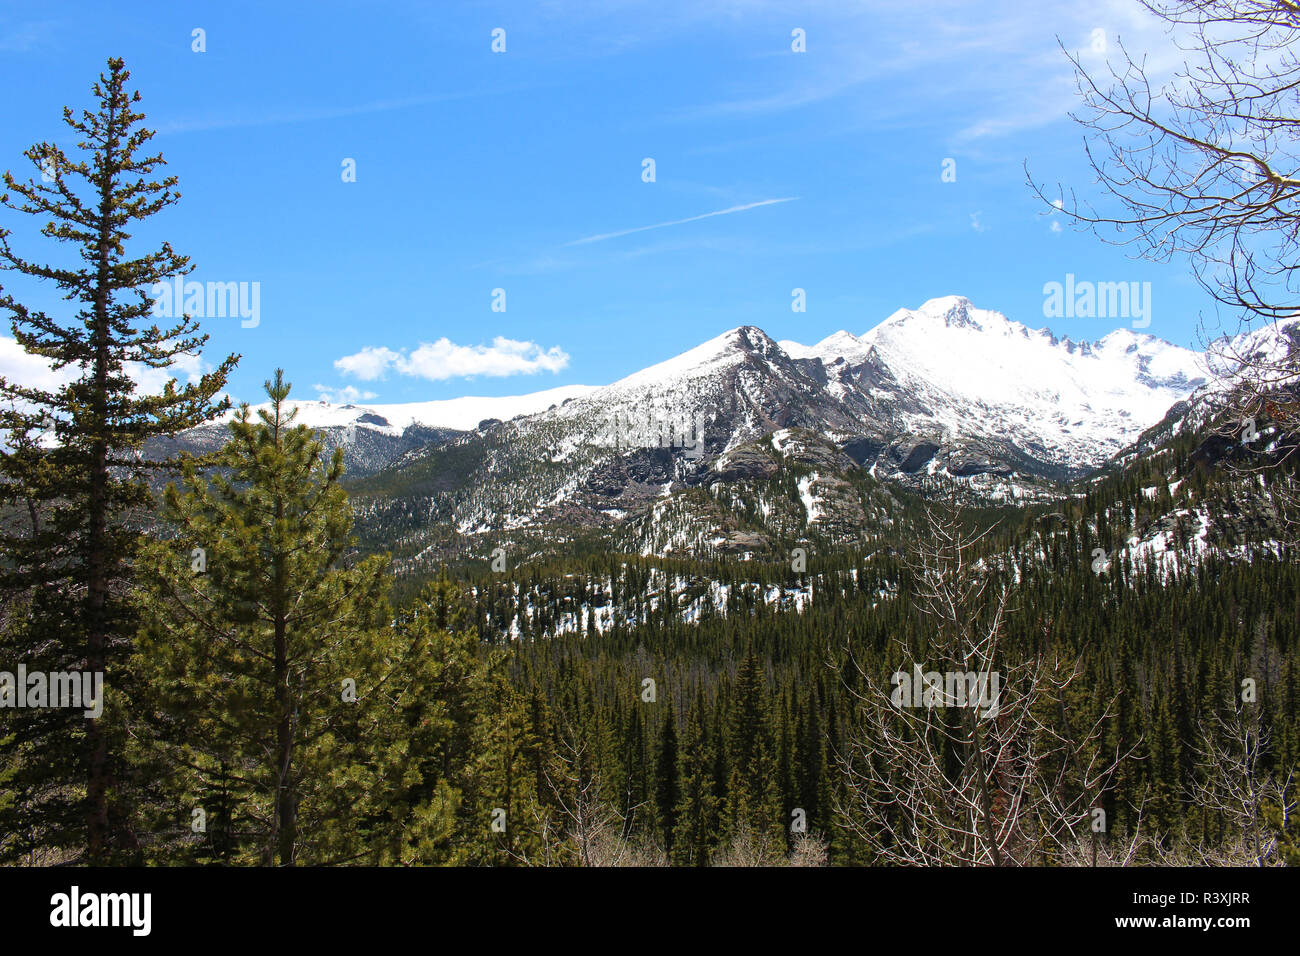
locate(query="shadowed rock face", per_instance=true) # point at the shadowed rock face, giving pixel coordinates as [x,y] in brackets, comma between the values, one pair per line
[863,450]
[747,462]
[913,456]
[966,467]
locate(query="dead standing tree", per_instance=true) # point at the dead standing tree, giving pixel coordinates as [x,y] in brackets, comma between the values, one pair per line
[591,830]
[1234,784]
[970,773]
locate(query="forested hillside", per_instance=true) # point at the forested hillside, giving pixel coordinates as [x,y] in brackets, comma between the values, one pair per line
[758,670]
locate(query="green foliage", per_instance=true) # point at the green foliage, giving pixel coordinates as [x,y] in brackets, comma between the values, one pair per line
[758,697]
[72,476]
[279,696]
[1286,830]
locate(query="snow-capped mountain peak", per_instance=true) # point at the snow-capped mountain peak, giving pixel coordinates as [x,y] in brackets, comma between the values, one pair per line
[726,350]
[953,312]
[839,345]
[973,368]
[948,371]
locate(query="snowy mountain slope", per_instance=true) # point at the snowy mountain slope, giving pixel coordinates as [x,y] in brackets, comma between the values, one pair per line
[954,374]
[839,345]
[1267,355]
[732,388]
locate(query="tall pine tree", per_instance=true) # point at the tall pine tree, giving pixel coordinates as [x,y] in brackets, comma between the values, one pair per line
[71,465]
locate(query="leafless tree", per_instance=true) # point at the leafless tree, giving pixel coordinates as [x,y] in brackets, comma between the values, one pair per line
[1134,846]
[591,830]
[979,779]
[809,850]
[750,847]
[1203,165]
[1233,783]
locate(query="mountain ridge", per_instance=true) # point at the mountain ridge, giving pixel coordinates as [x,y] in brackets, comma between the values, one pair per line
[742,441]
[891,343]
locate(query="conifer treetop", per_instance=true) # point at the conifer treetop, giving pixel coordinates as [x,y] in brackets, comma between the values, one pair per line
[91,197]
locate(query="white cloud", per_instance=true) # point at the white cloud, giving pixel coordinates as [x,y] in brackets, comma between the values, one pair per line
[185,368]
[368,364]
[444,359]
[19,367]
[347,395]
[22,368]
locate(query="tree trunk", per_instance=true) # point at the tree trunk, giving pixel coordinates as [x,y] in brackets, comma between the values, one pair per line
[286,804]
[97,559]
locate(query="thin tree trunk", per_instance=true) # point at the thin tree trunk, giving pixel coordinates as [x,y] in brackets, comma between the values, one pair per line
[286,806]
[97,569]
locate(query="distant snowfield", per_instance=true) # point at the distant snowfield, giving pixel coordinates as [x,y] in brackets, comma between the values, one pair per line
[462,414]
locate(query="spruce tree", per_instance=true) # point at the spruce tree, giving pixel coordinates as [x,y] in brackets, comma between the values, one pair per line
[754,799]
[668,790]
[695,829]
[72,468]
[462,745]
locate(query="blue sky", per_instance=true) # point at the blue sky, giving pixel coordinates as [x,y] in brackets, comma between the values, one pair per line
[478,171]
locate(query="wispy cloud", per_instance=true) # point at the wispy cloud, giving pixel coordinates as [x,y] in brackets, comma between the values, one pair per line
[884,62]
[677,222]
